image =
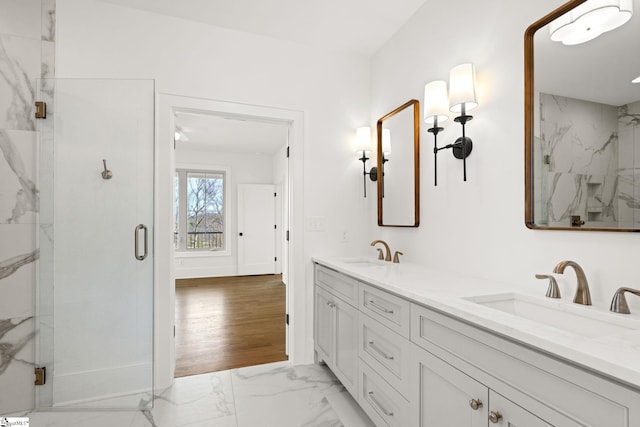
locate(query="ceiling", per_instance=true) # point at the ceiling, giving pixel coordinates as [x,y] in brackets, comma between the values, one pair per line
[230,134]
[354,26]
[357,26]
[599,71]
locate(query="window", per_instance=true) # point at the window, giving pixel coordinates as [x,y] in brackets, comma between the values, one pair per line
[199,214]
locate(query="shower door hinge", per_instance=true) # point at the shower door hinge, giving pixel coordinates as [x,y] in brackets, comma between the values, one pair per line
[287,319]
[41,110]
[41,376]
[287,151]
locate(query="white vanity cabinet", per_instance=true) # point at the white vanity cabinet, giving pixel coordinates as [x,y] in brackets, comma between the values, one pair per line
[527,387]
[336,326]
[408,364]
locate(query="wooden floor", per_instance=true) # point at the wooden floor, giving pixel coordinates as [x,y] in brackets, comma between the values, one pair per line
[229,322]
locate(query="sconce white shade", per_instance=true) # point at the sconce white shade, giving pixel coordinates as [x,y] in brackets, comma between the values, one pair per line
[636,80]
[386,142]
[589,20]
[462,88]
[363,140]
[436,102]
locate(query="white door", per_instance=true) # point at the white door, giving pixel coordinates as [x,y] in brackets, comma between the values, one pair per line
[256,229]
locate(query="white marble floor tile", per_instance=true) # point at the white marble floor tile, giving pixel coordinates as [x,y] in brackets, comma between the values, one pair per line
[263,394]
[199,400]
[272,395]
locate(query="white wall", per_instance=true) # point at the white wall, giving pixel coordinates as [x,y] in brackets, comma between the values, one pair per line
[478,226]
[189,59]
[242,169]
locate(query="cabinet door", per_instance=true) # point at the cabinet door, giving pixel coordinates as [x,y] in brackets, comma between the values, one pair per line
[503,412]
[324,325]
[346,345]
[444,396]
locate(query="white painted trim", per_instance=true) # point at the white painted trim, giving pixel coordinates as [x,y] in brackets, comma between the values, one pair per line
[301,346]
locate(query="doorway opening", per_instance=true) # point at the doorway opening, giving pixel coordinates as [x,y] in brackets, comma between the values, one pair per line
[230,210]
[300,343]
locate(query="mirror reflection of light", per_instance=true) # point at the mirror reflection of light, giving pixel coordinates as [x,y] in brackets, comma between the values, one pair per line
[386,142]
[636,80]
[589,20]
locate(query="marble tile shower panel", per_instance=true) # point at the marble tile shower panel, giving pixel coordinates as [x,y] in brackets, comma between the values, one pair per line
[581,141]
[20,66]
[629,185]
[17,270]
[49,20]
[17,356]
[21,18]
[19,196]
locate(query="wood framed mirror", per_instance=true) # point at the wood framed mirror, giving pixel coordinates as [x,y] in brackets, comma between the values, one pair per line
[582,124]
[398,163]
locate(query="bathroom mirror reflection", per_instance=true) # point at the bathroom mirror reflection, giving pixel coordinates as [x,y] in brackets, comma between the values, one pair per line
[582,120]
[398,134]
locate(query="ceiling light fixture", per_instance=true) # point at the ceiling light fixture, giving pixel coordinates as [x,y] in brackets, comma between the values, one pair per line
[589,20]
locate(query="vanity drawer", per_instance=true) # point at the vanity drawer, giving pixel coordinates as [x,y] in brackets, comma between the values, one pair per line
[388,309]
[338,284]
[384,405]
[385,351]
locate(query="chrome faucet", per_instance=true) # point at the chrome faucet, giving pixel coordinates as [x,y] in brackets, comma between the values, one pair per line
[582,293]
[387,256]
[619,302]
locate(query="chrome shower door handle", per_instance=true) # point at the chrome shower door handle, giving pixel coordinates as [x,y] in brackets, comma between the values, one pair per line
[136,244]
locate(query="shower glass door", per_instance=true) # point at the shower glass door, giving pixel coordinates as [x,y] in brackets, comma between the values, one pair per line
[95,272]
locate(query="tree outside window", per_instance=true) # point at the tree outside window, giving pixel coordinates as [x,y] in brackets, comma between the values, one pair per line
[199,210]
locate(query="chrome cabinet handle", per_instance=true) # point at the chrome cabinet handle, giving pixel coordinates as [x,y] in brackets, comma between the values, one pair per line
[378,350]
[375,402]
[495,417]
[475,404]
[135,243]
[330,304]
[379,307]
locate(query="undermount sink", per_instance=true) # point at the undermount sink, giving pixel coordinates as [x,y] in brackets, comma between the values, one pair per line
[577,319]
[363,262]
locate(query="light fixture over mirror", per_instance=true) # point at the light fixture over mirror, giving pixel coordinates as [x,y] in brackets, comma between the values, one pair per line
[582,126]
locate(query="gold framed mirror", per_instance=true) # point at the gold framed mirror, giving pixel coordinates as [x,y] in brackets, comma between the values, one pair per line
[582,120]
[398,164]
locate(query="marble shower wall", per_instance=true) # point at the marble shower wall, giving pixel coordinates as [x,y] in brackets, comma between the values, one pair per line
[629,176]
[588,156]
[27,38]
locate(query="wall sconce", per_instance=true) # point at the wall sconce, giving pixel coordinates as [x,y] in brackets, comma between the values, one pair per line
[363,148]
[589,20]
[436,111]
[462,98]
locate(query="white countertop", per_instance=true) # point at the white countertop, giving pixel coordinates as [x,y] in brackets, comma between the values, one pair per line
[614,356]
